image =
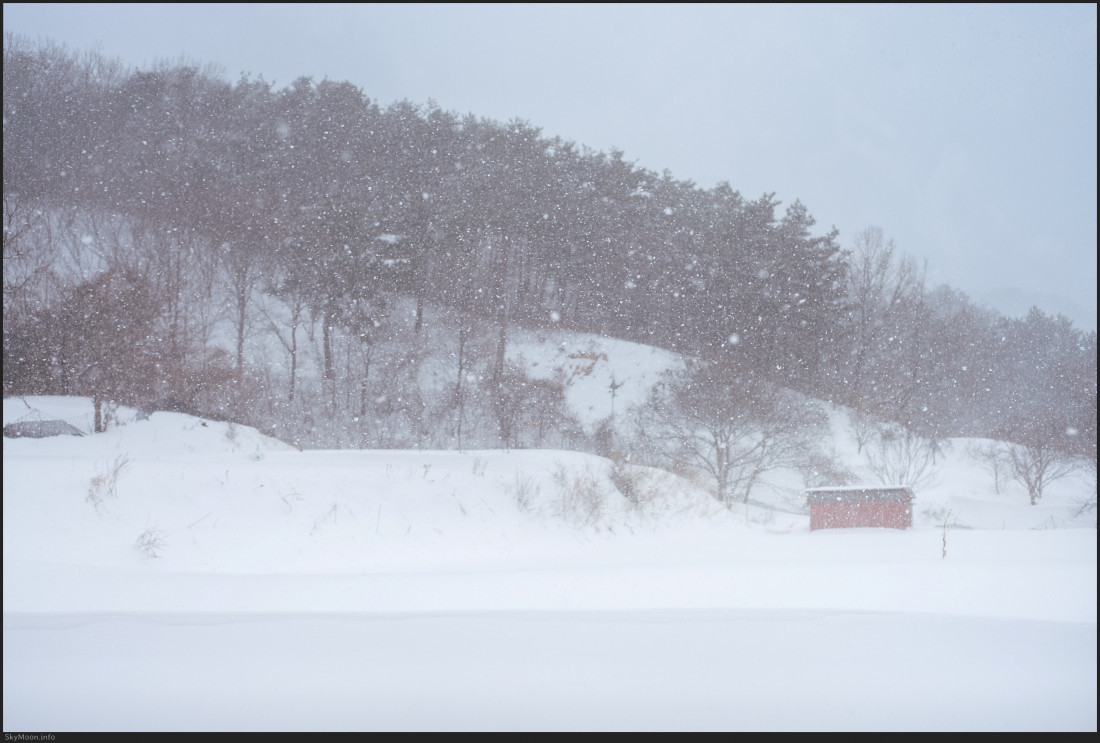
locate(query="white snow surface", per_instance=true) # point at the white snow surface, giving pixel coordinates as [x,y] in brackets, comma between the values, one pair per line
[227,581]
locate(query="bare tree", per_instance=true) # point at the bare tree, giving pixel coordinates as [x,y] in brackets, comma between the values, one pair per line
[898,456]
[295,305]
[995,456]
[105,342]
[1036,464]
[728,427]
[28,249]
[1087,504]
[863,426]
[524,406]
[887,295]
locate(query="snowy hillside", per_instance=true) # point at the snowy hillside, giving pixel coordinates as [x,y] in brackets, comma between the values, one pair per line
[231,581]
[591,365]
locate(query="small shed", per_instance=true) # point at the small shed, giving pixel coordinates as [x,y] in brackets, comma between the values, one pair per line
[851,507]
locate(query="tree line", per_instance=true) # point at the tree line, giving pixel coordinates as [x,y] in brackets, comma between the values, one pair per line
[158,222]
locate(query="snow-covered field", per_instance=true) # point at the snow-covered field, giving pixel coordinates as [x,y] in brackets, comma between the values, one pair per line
[180,574]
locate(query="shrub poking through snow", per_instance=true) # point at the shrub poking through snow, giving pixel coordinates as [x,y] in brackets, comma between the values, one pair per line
[525,492]
[105,481]
[150,543]
[581,498]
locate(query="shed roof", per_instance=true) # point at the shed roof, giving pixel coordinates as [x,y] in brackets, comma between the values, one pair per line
[859,495]
[40,429]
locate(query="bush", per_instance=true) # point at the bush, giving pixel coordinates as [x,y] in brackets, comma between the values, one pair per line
[633,485]
[823,470]
[150,543]
[105,482]
[581,498]
[525,492]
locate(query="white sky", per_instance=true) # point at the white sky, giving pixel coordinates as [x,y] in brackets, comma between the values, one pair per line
[968,133]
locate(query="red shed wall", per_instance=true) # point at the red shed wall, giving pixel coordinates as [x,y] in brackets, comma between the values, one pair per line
[894,515]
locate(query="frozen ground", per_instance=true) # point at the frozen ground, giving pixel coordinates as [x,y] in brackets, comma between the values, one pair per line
[226,581]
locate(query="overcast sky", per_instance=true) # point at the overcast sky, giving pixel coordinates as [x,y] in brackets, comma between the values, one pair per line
[968,133]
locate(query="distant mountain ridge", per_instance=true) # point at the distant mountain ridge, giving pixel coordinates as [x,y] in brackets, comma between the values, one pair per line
[1012,301]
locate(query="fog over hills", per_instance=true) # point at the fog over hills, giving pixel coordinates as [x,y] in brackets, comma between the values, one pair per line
[1015,302]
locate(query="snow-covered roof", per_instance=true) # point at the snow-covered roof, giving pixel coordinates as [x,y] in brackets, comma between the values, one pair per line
[34,429]
[862,494]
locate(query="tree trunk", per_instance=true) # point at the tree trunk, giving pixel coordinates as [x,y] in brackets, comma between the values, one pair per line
[97,403]
[460,392]
[328,375]
[294,348]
